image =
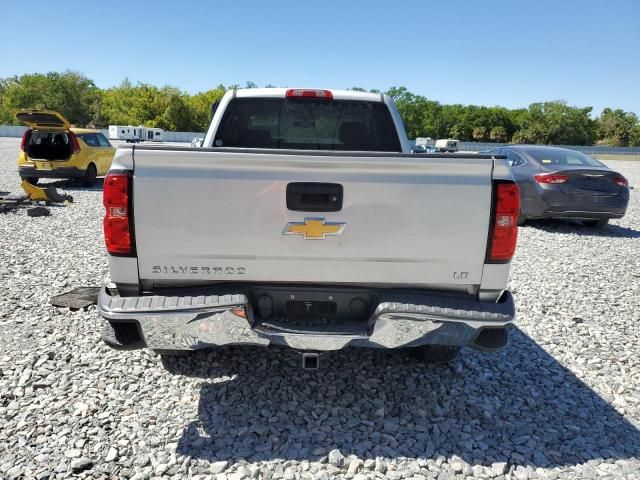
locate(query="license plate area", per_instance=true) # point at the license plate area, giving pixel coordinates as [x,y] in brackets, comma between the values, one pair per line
[590,183]
[310,311]
[43,166]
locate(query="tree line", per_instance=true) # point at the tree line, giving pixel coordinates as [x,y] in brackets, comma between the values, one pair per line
[84,104]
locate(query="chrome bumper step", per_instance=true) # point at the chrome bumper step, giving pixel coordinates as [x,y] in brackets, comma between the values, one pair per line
[184,322]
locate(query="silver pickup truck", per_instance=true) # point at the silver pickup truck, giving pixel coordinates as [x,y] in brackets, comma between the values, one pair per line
[305,220]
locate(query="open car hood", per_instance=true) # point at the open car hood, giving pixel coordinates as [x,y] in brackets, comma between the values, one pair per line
[43,119]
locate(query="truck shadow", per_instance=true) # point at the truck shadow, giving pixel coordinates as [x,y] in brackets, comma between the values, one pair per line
[518,406]
[575,227]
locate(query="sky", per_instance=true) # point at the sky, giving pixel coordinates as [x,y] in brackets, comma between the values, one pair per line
[489,52]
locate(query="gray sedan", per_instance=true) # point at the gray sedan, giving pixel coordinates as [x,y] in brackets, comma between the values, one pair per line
[562,183]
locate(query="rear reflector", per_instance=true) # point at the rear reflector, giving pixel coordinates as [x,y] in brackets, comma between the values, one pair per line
[118,219]
[75,145]
[504,228]
[23,142]
[551,178]
[621,181]
[301,93]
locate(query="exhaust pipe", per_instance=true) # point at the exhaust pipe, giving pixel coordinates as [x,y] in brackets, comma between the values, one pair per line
[310,361]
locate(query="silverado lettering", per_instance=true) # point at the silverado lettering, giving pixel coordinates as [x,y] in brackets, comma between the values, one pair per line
[165,269]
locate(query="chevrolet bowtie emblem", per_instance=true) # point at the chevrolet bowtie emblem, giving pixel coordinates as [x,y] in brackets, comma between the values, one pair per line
[313,228]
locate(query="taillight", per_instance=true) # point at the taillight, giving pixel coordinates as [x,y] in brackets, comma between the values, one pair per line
[25,136]
[551,178]
[75,145]
[621,181]
[118,219]
[302,93]
[504,227]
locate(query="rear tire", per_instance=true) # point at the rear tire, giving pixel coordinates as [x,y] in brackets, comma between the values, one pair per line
[32,180]
[601,223]
[90,175]
[435,353]
[521,220]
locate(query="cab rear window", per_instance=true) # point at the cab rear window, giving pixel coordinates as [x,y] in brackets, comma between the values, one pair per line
[308,124]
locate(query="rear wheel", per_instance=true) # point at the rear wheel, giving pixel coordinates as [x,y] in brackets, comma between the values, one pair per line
[601,223]
[90,175]
[521,220]
[435,353]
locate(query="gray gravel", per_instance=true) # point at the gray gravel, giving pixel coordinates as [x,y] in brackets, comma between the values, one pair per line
[561,401]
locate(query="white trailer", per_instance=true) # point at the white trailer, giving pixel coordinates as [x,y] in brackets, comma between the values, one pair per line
[426,141]
[125,132]
[129,133]
[446,145]
[152,134]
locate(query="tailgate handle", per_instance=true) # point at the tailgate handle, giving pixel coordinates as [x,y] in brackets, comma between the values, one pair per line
[314,197]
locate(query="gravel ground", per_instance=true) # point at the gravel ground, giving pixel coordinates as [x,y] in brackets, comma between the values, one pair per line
[561,401]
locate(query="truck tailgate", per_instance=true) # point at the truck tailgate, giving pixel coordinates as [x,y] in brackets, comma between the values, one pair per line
[220,215]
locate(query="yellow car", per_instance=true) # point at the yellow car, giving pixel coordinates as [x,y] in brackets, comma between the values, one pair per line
[50,148]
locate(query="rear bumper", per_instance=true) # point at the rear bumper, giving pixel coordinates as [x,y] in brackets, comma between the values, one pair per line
[176,322]
[569,212]
[556,204]
[60,172]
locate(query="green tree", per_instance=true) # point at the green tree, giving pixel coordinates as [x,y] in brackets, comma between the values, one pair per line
[459,132]
[78,99]
[479,134]
[70,93]
[634,136]
[177,115]
[556,123]
[614,127]
[432,122]
[141,104]
[127,104]
[498,134]
[201,103]
[411,110]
